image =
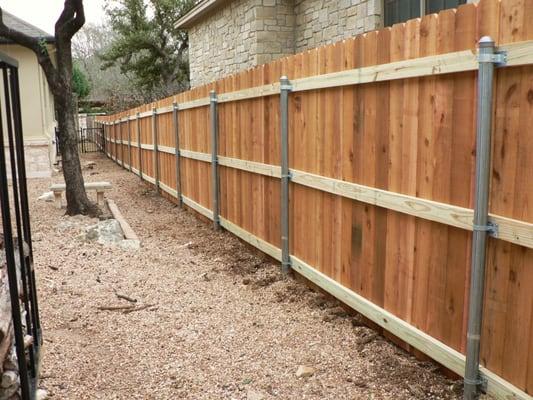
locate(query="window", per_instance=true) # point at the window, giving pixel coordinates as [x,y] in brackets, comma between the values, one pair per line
[402,10]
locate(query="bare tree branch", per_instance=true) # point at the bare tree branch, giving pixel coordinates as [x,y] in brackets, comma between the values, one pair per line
[34,44]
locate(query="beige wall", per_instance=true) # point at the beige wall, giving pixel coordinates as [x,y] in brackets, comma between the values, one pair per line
[245,33]
[38,118]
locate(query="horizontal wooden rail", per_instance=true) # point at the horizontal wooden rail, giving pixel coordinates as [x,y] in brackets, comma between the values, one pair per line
[250,166]
[251,93]
[195,155]
[206,212]
[193,104]
[260,244]
[510,230]
[519,53]
[418,67]
[147,146]
[166,149]
[168,189]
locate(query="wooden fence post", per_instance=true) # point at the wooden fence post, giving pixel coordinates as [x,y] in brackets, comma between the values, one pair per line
[285,88]
[177,152]
[214,158]
[155,154]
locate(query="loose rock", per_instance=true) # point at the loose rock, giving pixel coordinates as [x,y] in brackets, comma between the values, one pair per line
[304,371]
[46,196]
[104,232]
[9,378]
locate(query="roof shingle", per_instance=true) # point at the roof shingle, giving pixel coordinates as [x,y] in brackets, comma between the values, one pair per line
[20,25]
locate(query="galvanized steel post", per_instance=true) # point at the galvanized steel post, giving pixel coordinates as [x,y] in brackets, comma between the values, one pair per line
[285,88]
[104,127]
[177,151]
[214,157]
[121,142]
[487,58]
[137,117]
[129,142]
[155,155]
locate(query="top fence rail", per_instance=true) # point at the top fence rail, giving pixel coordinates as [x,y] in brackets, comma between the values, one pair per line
[516,54]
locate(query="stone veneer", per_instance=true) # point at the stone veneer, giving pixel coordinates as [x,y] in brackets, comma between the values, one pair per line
[245,33]
[242,34]
[320,22]
[38,156]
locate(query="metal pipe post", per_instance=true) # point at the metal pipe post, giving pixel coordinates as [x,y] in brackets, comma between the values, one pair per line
[137,117]
[115,148]
[472,380]
[177,150]
[285,88]
[155,153]
[129,143]
[122,146]
[214,157]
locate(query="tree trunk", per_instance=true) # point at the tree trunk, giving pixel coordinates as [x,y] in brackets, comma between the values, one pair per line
[77,200]
[59,79]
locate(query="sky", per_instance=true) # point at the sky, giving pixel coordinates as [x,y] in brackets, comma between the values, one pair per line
[44,13]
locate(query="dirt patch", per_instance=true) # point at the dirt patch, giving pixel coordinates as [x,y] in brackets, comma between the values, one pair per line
[223,323]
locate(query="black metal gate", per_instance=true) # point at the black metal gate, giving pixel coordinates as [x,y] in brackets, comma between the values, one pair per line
[17,244]
[89,139]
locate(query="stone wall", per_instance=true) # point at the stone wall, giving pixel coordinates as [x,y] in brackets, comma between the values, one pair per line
[243,34]
[320,22]
[246,33]
[39,157]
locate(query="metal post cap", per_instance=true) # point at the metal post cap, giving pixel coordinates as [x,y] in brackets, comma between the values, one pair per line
[486,41]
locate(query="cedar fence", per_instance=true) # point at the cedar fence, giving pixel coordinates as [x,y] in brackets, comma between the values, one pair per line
[381,147]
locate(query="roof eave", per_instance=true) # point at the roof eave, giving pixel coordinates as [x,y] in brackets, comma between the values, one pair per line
[198,12]
[47,40]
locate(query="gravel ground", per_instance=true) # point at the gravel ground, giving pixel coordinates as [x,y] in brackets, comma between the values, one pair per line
[221,321]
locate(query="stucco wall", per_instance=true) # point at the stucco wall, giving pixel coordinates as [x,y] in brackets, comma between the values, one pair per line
[38,119]
[320,22]
[245,33]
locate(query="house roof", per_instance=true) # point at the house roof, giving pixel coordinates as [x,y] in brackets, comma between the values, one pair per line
[199,11]
[20,25]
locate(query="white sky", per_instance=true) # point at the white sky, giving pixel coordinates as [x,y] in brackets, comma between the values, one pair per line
[44,13]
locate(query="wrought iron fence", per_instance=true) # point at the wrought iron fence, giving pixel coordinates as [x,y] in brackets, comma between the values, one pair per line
[17,243]
[90,140]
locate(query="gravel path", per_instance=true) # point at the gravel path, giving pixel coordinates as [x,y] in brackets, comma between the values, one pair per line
[222,323]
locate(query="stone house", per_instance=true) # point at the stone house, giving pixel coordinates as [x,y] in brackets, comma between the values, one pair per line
[226,36]
[37,102]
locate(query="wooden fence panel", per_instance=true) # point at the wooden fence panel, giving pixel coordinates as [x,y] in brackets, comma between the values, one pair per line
[413,137]
[507,314]
[195,136]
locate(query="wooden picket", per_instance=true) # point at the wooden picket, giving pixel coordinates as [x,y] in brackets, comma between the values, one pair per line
[382,154]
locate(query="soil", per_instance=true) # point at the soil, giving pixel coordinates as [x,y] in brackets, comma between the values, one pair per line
[206,317]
